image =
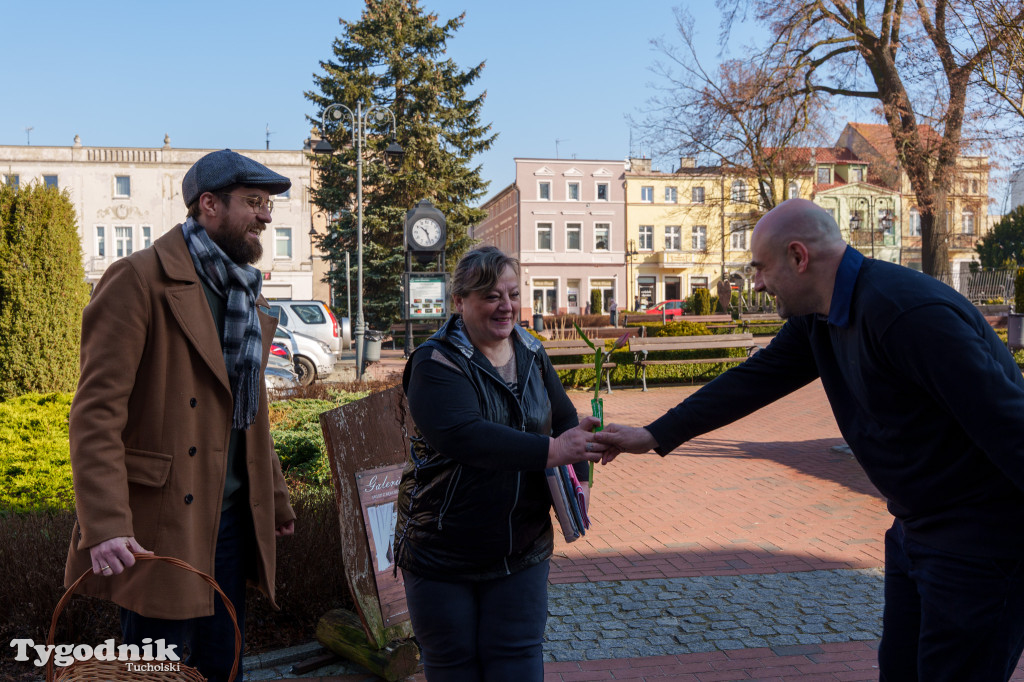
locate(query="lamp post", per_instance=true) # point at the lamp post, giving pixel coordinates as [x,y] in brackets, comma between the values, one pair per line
[631,290]
[856,220]
[357,120]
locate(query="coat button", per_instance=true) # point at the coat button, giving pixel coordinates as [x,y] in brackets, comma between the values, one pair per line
[188,498]
[192,451]
[192,402]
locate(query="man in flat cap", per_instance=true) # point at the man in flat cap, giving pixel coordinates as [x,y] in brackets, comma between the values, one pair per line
[170,439]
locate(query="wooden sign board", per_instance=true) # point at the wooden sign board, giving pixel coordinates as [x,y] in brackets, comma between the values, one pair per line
[367,446]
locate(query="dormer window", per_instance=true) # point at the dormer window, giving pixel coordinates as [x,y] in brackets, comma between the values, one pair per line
[824,175]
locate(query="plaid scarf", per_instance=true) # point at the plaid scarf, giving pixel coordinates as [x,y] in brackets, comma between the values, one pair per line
[242,342]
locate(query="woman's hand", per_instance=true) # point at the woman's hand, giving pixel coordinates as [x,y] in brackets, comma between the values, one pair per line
[576,445]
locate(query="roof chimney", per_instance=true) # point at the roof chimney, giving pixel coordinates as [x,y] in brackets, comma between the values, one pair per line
[640,165]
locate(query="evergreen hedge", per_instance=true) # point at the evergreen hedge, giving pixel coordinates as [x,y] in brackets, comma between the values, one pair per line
[42,291]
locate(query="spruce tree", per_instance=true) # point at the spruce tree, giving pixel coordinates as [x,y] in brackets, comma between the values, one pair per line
[394,56]
[42,291]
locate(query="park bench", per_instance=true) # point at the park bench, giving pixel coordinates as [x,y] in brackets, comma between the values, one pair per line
[641,347]
[568,347]
[718,321]
[754,321]
[418,329]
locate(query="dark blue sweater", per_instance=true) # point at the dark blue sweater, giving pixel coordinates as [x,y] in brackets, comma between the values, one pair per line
[924,392]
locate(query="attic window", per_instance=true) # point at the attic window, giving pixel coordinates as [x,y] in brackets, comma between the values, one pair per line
[824,176]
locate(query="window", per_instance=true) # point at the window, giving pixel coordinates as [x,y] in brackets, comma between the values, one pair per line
[738,236]
[967,221]
[646,237]
[544,237]
[698,283]
[697,195]
[122,241]
[647,194]
[602,236]
[572,191]
[824,176]
[545,296]
[284,196]
[793,192]
[699,238]
[857,174]
[602,191]
[670,195]
[11,180]
[50,181]
[544,191]
[101,241]
[915,223]
[573,240]
[122,186]
[673,237]
[974,186]
[147,236]
[309,314]
[739,191]
[282,242]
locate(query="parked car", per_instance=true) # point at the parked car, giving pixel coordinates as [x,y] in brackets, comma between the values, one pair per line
[311,357]
[673,308]
[279,373]
[312,318]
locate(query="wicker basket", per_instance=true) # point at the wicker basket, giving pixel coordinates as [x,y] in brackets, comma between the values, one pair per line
[116,671]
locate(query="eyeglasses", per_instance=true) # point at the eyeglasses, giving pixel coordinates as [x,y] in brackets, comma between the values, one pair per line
[255,203]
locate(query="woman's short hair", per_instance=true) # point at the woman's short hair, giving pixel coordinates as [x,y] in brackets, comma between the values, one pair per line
[480,270]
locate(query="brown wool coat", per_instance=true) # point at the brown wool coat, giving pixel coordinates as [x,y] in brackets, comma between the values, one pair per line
[150,425]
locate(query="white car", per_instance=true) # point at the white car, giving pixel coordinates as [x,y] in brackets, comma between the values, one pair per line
[313,358]
[313,318]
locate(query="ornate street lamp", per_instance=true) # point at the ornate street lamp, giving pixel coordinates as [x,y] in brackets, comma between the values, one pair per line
[394,152]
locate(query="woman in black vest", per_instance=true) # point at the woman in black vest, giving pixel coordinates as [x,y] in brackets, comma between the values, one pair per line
[474,533]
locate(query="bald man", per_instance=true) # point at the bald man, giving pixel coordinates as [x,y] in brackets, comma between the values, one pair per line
[932,405]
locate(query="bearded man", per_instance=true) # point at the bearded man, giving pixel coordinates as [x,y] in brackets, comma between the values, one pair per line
[170,438]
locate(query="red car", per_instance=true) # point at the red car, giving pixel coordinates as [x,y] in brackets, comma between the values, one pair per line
[673,308]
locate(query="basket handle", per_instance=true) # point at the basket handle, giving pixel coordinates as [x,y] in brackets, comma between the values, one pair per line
[149,557]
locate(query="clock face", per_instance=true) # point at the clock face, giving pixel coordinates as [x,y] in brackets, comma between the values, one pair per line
[426,232]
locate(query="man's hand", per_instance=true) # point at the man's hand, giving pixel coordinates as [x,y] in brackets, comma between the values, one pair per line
[286,528]
[618,438]
[575,445]
[113,556]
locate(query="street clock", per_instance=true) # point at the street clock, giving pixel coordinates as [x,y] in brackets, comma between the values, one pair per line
[425,228]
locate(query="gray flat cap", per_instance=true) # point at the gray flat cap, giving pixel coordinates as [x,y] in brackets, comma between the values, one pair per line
[221,169]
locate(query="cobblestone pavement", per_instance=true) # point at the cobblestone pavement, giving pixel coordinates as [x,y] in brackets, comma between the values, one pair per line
[668,616]
[753,552]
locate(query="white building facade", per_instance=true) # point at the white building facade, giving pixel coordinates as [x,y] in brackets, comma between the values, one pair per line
[127,197]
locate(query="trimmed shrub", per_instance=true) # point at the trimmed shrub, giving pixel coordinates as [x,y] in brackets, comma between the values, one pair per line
[42,291]
[35,460]
[701,302]
[683,328]
[595,302]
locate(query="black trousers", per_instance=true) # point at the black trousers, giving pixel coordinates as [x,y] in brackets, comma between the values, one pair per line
[949,617]
[490,631]
[210,641]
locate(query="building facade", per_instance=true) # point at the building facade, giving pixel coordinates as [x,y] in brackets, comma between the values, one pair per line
[967,203]
[127,197]
[684,229]
[565,222]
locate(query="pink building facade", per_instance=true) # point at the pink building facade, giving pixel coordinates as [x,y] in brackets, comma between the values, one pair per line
[565,220]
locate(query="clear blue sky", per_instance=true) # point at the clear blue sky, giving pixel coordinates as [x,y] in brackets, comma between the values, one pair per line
[214,74]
